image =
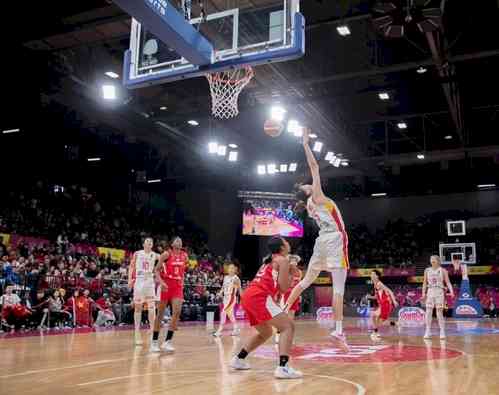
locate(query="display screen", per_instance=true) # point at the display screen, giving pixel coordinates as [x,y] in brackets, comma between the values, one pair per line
[270,217]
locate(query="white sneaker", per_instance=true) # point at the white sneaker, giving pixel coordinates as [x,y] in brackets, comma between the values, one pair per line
[168,346]
[138,339]
[341,340]
[217,334]
[442,334]
[375,337]
[287,372]
[239,364]
[427,335]
[154,346]
[236,332]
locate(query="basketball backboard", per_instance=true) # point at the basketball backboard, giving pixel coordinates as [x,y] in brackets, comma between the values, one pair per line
[465,252]
[225,34]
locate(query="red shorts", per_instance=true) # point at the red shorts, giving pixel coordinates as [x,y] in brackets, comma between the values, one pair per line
[259,306]
[385,309]
[296,304]
[175,290]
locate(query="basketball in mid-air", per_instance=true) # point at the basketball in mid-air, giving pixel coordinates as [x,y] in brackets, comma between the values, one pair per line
[273,128]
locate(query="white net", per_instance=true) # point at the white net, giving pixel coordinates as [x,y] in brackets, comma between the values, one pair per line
[225,88]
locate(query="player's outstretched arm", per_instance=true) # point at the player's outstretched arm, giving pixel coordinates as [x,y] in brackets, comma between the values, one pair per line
[447,282]
[284,279]
[317,194]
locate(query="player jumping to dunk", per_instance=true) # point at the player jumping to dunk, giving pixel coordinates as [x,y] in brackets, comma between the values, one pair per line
[331,246]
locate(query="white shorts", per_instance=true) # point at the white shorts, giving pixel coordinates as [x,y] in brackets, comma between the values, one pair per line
[144,290]
[435,298]
[330,252]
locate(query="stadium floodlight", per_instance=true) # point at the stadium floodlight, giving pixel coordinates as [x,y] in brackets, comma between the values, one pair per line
[222,150]
[277,113]
[448,137]
[293,167]
[317,146]
[283,168]
[343,30]
[337,162]
[329,156]
[154,181]
[312,135]
[93,159]
[345,163]
[485,186]
[193,122]
[271,168]
[163,108]
[293,126]
[420,156]
[378,194]
[109,92]
[232,145]
[384,96]
[212,147]
[261,169]
[402,125]
[421,70]
[233,156]
[112,74]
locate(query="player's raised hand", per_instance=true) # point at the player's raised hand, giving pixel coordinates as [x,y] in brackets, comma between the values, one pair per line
[306,135]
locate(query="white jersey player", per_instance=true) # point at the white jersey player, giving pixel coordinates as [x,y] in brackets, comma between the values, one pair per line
[436,279]
[331,247]
[230,289]
[141,278]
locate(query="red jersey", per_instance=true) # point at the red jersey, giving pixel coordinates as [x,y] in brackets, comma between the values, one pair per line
[294,283]
[266,281]
[382,296]
[174,267]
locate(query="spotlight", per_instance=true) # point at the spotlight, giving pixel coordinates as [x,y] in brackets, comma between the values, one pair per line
[212,148]
[112,74]
[277,113]
[293,167]
[283,168]
[402,125]
[378,194]
[155,181]
[337,162]
[293,126]
[93,159]
[448,137]
[485,186]
[343,30]
[312,136]
[345,163]
[233,156]
[222,150]
[329,156]
[384,96]
[192,122]
[9,131]
[420,156]
[271,168]
[261,169]
[163,108]
[109,92]
[232,145]
[421,70]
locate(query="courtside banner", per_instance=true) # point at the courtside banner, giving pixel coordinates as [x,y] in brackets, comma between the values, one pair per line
[5,239]
[324,314]
[116,254]
[480,270]
[411,316]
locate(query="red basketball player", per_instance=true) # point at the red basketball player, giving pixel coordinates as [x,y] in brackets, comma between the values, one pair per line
[386,303]
[259,303]
[170,274]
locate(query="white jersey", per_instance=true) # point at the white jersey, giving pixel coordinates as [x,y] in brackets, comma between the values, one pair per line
[229,287]
[435,278]
[144,264]
[327,216]
[9,300]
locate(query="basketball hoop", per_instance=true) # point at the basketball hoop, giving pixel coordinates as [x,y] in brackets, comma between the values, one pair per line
[225,88]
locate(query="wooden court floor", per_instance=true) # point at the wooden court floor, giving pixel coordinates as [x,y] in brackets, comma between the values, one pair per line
[107,363]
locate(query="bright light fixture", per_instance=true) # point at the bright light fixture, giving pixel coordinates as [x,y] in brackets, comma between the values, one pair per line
[337,162]
[293,126]
[109,92]
[233,156]
[484,186]
[8,131]
[283,168]
[293,167]
[421,70]
[343,30]
[345,163]
[155,181]
[277,113]
[212,147]
[420,156]
[261,169]
[329,156]
[271,168]
[384,96]
[112,74]
[312,136]
[192,122]
[232,145]
[317,146]
[222,150]
[378,194]
[402,125]
[93,159]
[448,137]
[163,108]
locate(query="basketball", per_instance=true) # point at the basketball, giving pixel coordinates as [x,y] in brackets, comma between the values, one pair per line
[273,128]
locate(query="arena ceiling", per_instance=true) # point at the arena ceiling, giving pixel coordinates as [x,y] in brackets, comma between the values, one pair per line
[450,110]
